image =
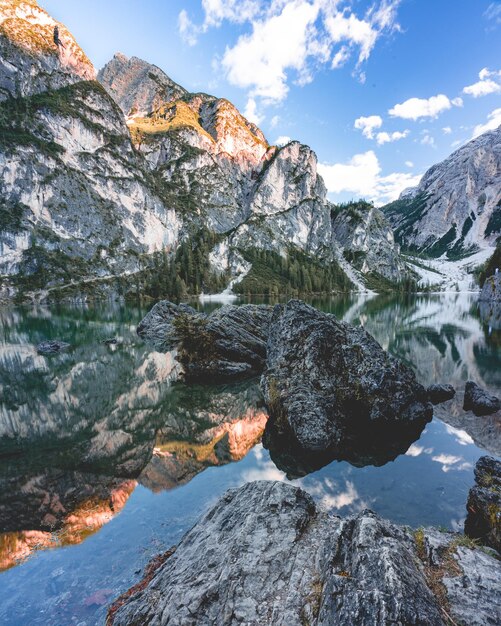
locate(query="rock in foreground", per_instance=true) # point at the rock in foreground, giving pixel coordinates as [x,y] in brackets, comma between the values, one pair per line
[484,504]
[158,328]
[266,555]
[325,379]
[479,401]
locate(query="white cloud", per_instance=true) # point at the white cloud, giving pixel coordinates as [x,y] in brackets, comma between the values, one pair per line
[409,164]
[187,29]
[385,137]
[462,437]
[482,88]
[493,12]
[251,113]
[341,57]
[447,130]
[428,140]
[493,121]
[361,176]
[259,61]
[415,108]
[289,41]
[414,450]
[368,124]
[487,84]
[274,121]
[282,140]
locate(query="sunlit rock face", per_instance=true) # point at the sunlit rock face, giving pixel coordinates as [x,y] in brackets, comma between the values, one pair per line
[218,170]
[457,204]
[206,426]
[31,61]
[75,198]
[54,510]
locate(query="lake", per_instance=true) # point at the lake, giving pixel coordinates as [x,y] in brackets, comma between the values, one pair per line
[106,460]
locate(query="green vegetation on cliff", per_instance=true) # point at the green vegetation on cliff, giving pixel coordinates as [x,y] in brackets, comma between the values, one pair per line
[186,272]
[489,267]
[294,274]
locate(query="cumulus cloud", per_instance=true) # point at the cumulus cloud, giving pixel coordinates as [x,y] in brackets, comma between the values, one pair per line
[282,140]
[289,41]
[416,108]
[493,121]
[409,164]
[488,83]
[368,124]
[251,113]
[361,176]
[260,61]
[447,130]
[385,137]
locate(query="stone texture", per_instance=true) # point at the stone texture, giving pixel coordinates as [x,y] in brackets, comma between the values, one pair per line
[457,202]
[440,393]
[469,577]
[266,555]
[484,503]
[52,347]
[157,327]
[479,401]
[325,378]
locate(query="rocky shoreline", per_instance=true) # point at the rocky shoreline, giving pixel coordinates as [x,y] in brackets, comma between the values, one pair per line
[267,554]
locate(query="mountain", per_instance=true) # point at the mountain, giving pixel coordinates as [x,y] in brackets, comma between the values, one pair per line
[456,207]
[135,185]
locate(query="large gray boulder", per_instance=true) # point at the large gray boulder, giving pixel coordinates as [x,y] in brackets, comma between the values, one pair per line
[483,521]
[266,555]
[158,329]
[228,344]
[326,380]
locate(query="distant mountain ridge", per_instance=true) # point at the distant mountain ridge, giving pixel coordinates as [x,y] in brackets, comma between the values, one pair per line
[456,208]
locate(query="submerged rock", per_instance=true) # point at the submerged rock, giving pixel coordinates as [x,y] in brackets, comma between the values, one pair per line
[326,379]
[52,347]
[479,401]
[266,555]
[440,393]
[484,503]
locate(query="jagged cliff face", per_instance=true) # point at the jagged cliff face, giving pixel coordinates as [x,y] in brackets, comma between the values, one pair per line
[94,180]
[367,241]
[221,172]
[457,205]
[76,199]
[30,61]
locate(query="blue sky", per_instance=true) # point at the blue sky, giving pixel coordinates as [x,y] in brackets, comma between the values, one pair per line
[380,89]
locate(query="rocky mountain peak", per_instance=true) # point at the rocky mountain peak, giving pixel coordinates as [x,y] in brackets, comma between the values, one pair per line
[36,62]
[457,205]
[138,87]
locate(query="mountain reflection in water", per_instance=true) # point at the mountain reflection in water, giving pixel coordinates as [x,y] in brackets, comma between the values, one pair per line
[106,429]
